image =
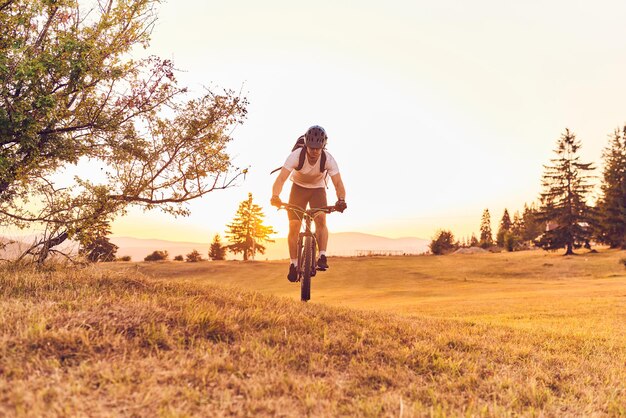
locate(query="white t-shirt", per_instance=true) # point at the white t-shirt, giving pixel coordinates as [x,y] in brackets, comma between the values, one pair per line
[310,176]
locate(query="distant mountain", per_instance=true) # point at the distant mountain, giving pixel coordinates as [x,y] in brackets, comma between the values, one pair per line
[340,244]
[12,247]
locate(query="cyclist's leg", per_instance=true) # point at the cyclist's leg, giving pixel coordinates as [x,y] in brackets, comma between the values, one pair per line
[318,200]
[321,231]
[299,196]
[294,230]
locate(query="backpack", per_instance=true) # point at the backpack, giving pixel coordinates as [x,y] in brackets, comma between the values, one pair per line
[300,144]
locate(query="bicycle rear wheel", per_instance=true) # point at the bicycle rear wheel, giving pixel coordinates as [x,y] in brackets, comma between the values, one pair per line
[305,283]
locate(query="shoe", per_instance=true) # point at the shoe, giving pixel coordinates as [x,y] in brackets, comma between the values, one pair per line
[293,273]
[322,264]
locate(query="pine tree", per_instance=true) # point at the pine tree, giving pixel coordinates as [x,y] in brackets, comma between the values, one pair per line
[612,205]
[563,202]
[486,236]
[532,227]
[504,228]
[512,238]
[517,227]
[474,241]
[217,250]
[247,232]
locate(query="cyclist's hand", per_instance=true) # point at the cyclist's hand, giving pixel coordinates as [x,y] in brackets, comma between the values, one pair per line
[341,205]
[275,201]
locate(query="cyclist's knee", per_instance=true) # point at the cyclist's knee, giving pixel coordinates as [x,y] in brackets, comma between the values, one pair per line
[320,221]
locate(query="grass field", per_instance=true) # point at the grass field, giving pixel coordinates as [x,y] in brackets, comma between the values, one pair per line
[517,289]
[531,334]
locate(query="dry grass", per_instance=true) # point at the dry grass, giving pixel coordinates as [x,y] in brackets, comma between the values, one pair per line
[476,335]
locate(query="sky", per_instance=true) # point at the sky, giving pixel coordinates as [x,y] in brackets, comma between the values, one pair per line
[435,111]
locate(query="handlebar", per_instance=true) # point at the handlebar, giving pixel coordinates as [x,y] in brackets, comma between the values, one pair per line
[310,212]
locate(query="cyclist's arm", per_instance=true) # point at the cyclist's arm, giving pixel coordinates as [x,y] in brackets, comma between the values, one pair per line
[280,181]
[339,188]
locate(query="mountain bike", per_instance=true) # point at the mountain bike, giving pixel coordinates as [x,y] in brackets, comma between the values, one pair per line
[307,247]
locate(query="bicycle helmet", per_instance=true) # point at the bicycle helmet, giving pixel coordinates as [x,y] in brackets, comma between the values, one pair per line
[315,137]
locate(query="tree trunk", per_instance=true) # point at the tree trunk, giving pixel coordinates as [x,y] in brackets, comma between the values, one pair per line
[50,243]
[570,249]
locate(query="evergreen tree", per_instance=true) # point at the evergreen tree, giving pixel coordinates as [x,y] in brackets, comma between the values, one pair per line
[505,222]
[517,226]
[504,228]
[532,227]
[217,250]
[612,205]
[486,236]
[247,232]
[512,238]
[474,241]
[563,202]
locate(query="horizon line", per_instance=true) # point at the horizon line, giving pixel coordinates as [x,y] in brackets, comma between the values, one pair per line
[280,237]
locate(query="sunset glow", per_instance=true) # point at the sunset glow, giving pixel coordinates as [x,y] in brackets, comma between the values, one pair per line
[434,110]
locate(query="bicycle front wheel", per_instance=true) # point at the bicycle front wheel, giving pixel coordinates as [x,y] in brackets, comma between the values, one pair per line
[305,283]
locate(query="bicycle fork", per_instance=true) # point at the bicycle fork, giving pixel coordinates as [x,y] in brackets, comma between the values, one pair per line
[301,248]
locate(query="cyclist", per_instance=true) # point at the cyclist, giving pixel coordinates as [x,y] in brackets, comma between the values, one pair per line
[309,188]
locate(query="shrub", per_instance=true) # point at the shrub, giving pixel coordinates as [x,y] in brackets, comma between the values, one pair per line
[443,243]
[99,249]
[124,258]
[157,256]
[194,257]
[179,258]
[510,242]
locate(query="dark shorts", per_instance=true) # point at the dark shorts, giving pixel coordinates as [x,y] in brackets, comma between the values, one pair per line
[301,196]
